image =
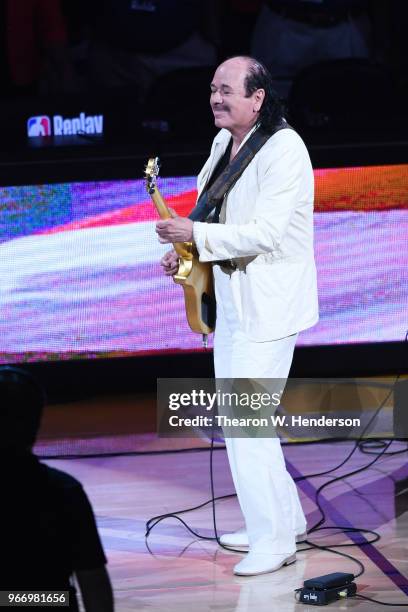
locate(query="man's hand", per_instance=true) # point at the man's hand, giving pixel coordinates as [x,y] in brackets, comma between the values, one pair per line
[177,229]
[170,263]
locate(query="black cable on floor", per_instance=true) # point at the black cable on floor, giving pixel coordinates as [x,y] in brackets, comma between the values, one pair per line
[312,545]
[384,447]
[383,603]
[151,523]
[358,440]
[155,520]
[368,447]
[347,475]
[318,526]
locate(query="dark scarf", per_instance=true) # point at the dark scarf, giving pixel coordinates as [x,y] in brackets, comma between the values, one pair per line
[213,196]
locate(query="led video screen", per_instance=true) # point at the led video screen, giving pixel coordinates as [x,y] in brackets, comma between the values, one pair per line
[80,274]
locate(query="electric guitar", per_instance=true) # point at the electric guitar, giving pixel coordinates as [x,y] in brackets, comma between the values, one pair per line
[193,275]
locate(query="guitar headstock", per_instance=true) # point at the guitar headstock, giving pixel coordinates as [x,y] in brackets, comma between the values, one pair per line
[151,173]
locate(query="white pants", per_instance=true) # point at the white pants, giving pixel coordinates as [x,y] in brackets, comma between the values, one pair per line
[266,492]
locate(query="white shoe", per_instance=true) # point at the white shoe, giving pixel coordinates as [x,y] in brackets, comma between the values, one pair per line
[240,538]
[259,563]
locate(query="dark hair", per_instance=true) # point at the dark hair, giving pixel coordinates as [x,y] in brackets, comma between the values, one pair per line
[272,109]
[21,404]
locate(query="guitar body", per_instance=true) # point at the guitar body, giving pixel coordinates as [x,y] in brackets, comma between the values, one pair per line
[198,294]
[194,276]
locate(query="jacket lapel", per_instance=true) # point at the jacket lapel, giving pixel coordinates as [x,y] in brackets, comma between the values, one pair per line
[217,151]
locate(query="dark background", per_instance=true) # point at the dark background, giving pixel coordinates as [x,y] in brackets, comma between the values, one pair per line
[112,57]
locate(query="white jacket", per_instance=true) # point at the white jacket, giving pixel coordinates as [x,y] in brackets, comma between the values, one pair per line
[268,231]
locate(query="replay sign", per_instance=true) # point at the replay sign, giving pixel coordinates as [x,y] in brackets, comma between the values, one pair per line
[45,130]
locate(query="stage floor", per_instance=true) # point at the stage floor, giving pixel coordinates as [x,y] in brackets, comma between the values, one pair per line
[182,573]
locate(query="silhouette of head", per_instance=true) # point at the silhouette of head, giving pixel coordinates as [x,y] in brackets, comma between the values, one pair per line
[21,404]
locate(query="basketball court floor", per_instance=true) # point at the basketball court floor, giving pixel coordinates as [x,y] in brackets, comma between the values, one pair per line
[174,570]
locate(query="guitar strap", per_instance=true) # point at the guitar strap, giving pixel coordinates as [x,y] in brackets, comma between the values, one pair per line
[213,196]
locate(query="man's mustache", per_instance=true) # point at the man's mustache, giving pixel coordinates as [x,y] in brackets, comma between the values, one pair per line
[221,108]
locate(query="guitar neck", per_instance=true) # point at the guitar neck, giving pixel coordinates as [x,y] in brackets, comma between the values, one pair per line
[160,204]
[183,249]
